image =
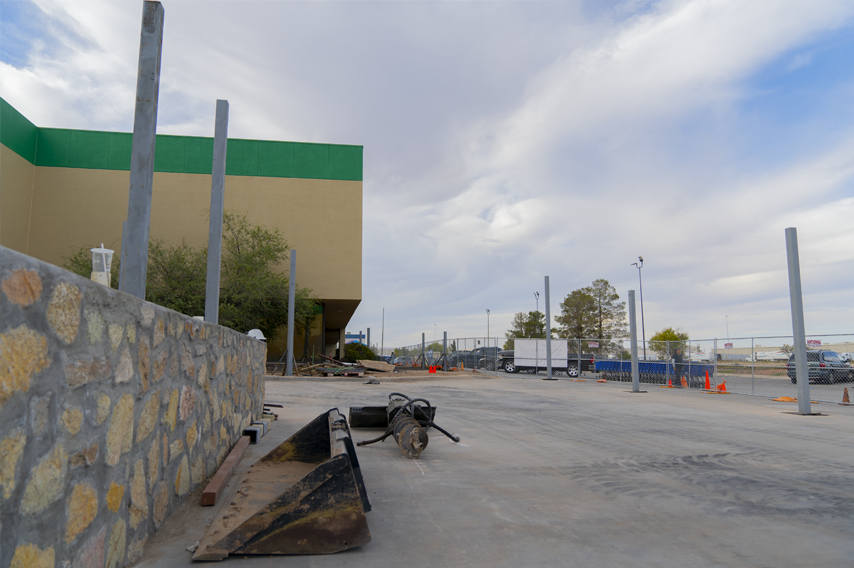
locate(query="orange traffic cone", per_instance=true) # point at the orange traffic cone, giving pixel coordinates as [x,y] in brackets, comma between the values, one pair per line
[669,384]
[708,385]
[721,387]
[462,366]
[845,400]
[684,383]
[432,369]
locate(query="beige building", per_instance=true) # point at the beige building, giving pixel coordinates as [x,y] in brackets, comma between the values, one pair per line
[64,189]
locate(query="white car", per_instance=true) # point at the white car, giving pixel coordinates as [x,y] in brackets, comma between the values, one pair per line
[846,357]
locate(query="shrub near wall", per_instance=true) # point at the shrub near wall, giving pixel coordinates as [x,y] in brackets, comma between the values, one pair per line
[112,410]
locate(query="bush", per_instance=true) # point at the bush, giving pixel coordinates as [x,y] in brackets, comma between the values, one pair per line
[356,351]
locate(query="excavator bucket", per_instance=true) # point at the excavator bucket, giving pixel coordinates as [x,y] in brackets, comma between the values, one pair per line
[306,496]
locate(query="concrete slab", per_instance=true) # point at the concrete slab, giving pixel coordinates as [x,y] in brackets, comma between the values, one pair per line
[561,473]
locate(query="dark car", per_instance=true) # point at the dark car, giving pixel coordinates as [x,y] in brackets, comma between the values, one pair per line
[824,367]
[480,358]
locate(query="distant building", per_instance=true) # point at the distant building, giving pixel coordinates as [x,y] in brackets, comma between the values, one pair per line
[64,189]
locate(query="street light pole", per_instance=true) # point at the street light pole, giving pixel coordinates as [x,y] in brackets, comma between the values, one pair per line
[487,327]
[640,280]
[537,313]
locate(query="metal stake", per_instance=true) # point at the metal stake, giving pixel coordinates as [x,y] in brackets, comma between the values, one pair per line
[135,244]
[217,208]
[797,300]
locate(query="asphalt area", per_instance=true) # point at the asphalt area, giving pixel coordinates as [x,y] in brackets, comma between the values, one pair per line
[570,473]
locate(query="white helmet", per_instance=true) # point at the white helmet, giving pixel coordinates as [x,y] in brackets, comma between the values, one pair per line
[256,334]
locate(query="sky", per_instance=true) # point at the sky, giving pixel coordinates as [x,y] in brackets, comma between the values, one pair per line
[509,141]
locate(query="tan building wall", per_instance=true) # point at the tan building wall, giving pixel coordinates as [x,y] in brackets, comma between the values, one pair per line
[16,184]
[321,219]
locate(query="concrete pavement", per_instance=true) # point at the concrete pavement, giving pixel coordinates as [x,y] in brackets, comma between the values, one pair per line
[561,473]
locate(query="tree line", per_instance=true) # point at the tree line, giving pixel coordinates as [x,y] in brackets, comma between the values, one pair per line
[591,312]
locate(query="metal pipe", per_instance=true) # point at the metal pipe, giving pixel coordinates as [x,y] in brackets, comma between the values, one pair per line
[798,331]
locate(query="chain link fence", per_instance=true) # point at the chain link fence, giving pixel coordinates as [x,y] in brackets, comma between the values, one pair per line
[758,366]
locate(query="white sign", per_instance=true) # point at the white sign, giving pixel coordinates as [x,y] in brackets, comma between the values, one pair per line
[727,345]
[813,342]
[592,344]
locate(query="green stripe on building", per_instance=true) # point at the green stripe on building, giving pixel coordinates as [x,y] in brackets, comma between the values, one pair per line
[91,149]
[17,133]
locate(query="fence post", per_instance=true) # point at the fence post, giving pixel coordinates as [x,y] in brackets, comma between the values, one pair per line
[797,300]
[633,328]
[715,355]
[752,367]
[423,352]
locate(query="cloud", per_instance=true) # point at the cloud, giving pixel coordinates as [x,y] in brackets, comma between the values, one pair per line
[505,141]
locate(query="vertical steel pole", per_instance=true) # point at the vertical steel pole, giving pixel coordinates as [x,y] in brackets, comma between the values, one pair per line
[800,342]
[715,355]
[423,352]
[382,338]
[368,338]
[548,334]
[135,244]
[752,367]
[216,212]
[292,300]
[445,350]
[633,332]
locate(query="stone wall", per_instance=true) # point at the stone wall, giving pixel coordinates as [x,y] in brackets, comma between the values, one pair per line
[112,411]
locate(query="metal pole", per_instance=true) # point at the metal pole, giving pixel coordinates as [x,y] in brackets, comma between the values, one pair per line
[382,338]
[423,352]
[216,213]
[752,367]
[292,300]
[715,355]
[633,331]
[445,350]
[368,338]
[135,245]
[548,335]
[797,300]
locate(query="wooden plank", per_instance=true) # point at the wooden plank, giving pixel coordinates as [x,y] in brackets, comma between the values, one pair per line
[223,474]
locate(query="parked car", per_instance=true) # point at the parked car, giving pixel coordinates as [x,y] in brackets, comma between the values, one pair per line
[480,358]
[823,367]
[404,361]
[846,357]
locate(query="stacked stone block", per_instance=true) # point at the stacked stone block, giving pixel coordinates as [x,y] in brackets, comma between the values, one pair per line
[112,411]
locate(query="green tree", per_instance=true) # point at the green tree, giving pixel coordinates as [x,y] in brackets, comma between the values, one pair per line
[253,294]
[577,317]
[667,340]
[593,312]
[610,312]
[532,324]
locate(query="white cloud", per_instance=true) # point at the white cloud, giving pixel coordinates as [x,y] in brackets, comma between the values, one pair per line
[506,141]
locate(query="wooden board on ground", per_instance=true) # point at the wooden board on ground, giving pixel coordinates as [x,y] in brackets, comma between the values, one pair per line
[376,365]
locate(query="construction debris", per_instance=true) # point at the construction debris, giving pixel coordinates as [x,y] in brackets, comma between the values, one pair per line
[376,365]
[404,418]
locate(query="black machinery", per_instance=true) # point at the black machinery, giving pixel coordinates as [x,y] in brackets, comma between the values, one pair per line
[407,419]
